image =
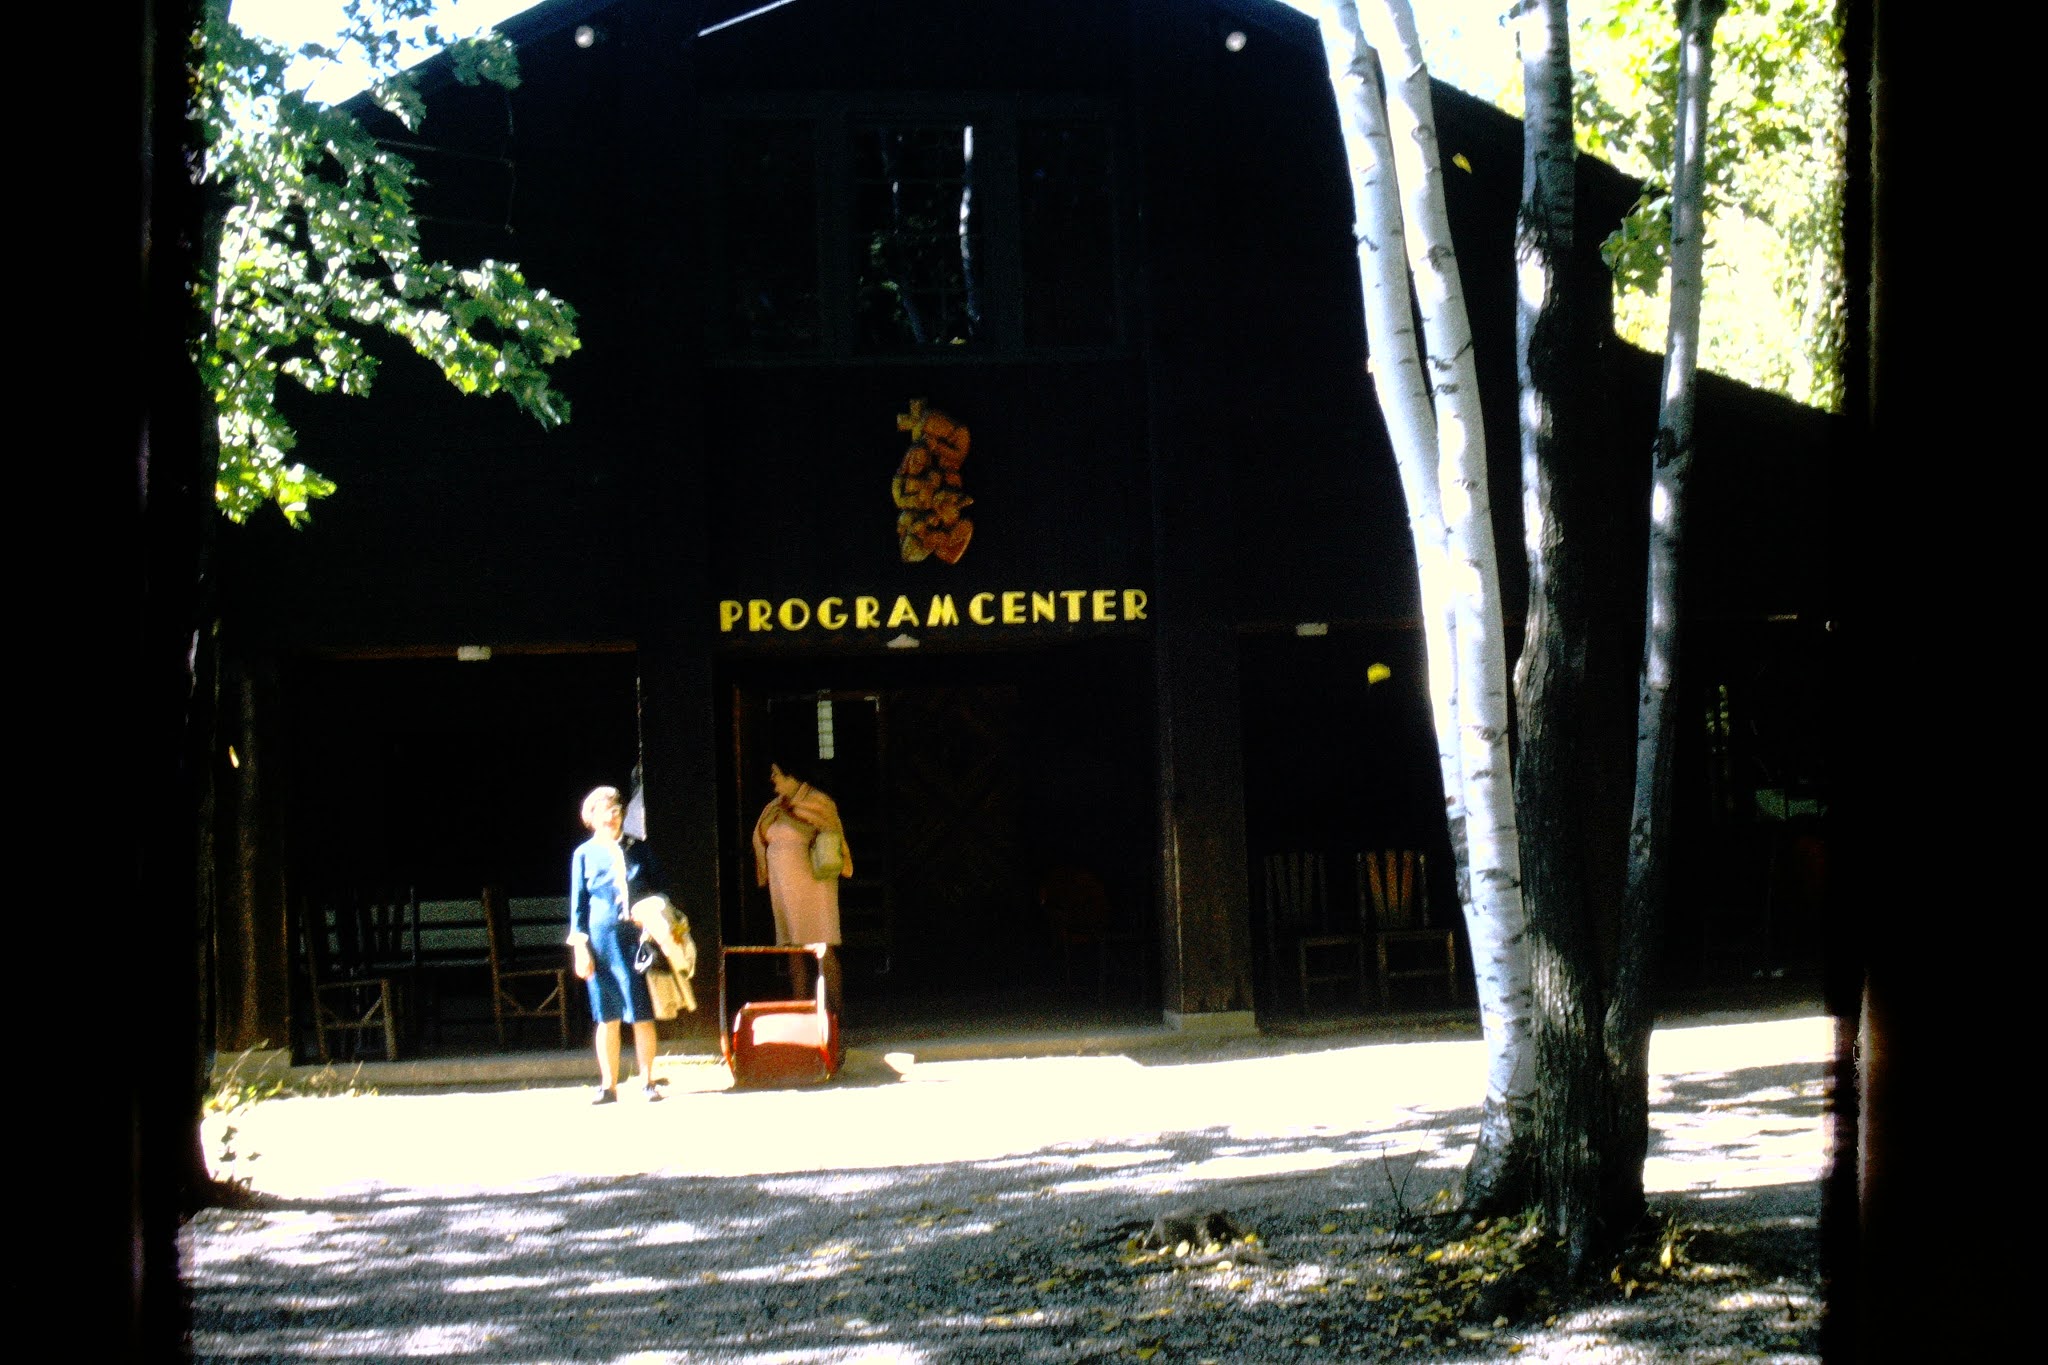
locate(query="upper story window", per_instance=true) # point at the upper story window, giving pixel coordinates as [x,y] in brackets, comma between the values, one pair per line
[1065,212]
[771,258]
[844,233]
[919,236]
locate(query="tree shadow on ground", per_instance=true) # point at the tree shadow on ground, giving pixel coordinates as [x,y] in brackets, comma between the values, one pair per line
[1023,1258]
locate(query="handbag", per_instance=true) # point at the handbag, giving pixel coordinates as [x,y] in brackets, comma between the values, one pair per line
[828,854]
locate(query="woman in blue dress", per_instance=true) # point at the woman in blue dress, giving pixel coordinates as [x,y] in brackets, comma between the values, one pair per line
[607,875]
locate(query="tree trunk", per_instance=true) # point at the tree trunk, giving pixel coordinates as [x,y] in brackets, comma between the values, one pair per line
[1493,912]
[1629,1011]
[1394,361]
[176,460]
[1550,683]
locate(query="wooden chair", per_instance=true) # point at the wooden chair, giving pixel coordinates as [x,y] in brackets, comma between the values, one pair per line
[520,992]
[1076,906]
[1393,895]
[348,998]
[1298,927]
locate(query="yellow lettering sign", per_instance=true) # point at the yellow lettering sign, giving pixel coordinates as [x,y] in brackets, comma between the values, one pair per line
[1009,607]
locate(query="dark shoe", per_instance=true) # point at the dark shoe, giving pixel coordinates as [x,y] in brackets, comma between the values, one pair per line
[653,1096]
[606,1097]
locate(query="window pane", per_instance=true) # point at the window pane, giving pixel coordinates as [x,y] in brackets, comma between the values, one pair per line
[1065,234]
[918,234]
[771,246]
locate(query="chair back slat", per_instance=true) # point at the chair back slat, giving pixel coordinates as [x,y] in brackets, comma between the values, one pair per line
[1296,890]
[1395,885]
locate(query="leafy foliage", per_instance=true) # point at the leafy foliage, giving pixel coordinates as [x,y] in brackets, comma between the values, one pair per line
[1773,308]
[319,248]
[1773,303]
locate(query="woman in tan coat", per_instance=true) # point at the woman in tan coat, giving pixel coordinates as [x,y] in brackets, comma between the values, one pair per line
[806,905]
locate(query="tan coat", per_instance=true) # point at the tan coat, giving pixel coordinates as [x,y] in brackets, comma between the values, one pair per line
[806,909]
[809,807]
[664,921]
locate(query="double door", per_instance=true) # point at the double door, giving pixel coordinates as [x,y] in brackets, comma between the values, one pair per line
[927,782]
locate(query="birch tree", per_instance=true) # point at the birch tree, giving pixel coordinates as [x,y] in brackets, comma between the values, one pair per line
[1431,402]
[1627,1030]
[1565,1120]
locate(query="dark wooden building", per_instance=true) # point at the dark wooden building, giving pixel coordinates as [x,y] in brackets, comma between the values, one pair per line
[1108,238]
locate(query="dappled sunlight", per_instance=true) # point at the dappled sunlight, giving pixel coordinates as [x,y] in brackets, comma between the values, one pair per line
[494,1284]
[968,1211]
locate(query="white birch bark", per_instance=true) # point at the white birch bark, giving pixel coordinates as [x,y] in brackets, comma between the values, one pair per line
[1628,1023]
[1493,916]
[1395,365]
[1456,472]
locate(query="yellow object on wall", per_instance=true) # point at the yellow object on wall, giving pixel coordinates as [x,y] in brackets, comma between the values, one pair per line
[927,488]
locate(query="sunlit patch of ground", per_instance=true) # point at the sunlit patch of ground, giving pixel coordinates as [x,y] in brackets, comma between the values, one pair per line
[988,1211]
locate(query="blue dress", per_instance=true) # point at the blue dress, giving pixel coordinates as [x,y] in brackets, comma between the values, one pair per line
[599,907]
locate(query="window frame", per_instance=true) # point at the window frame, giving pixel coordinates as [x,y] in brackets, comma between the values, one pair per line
[834,118]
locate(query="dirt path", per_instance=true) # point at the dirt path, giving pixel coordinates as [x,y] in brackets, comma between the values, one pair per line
[984,1211]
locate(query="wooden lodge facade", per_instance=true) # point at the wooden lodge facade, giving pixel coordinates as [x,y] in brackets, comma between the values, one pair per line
[1093,259]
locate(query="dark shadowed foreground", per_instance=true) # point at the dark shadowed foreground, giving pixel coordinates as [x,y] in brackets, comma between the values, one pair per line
[994,1210]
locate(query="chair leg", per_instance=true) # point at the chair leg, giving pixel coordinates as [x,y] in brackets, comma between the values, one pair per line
[498,1011]
[390,1022]
[1386,991]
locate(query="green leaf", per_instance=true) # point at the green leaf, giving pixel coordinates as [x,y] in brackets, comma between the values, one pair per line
[319,248]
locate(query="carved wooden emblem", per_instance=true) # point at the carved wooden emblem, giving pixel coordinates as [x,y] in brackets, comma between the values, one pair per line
[927,489]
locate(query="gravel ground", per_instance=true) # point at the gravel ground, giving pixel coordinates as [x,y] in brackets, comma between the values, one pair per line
[991,1211]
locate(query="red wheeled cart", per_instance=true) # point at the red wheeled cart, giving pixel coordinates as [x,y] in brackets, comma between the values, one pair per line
[770,1043]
